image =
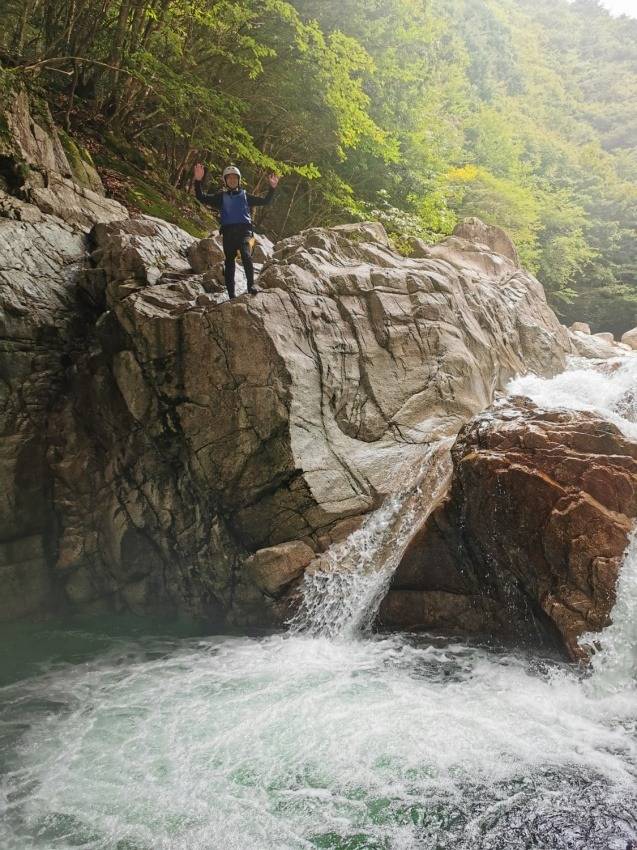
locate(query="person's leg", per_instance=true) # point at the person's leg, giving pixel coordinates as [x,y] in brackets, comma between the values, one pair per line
[229,252]
[246,259]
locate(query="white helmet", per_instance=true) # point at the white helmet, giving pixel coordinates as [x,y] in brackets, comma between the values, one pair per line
[231,169]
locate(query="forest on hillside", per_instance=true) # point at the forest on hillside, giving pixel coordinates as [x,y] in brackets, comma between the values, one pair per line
[414,112]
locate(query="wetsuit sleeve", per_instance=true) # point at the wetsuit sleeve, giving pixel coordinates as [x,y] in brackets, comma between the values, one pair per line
[209,200]
[261,200]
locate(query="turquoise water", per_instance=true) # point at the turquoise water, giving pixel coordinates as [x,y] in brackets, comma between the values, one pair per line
[123,735]
[127,735]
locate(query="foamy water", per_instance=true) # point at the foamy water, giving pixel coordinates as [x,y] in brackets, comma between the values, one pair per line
[310,740]
[297,742]
[615,662]
[608,388]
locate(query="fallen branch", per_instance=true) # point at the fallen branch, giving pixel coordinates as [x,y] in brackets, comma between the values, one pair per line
[44,62]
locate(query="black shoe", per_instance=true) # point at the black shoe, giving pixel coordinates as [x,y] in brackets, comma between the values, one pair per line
[253,290]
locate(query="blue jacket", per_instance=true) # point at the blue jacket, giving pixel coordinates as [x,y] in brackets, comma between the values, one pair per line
[234,205]
[234,208]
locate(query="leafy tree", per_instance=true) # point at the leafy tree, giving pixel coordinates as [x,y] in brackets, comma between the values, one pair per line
[417,112]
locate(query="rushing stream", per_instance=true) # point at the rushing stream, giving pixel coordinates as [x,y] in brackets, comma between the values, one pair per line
[323,738]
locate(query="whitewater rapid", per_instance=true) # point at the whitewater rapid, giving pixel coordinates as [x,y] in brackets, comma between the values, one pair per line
[607,387]
[324,738]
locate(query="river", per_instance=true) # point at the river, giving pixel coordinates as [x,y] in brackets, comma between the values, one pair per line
[122,735]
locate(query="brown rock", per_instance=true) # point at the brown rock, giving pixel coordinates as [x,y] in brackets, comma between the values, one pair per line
[580,327]
[437,610]
[276,567]
[205,254]
[495,238]
[538,518]
[630,338]
[338,532]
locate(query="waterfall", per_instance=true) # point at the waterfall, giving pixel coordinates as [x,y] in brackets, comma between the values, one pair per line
[341,596]
[614,660]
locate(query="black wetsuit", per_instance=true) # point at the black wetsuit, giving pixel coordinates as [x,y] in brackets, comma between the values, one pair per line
[235,236]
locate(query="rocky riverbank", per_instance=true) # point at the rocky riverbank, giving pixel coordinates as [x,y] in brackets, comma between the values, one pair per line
[167,450]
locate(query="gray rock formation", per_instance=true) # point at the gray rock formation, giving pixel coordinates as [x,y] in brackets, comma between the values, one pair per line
[630,338]
[598,346]
[157,435]
[39,170]
[40,260]
[279,416]
[193,430]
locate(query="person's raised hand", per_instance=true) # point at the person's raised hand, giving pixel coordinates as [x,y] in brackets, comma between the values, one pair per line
[198,171]
[273,180]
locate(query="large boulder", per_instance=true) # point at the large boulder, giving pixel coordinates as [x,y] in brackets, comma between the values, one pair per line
[275,567]
[35,166]
[40,261]
[535,526]
[494,238]
[594,346]
[180,432]
[73,203]
[298,405]
[143,251]
[630,338]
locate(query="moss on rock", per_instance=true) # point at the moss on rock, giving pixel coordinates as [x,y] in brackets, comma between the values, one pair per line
[81,163]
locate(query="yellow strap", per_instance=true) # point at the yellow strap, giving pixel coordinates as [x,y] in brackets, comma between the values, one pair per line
[251,242]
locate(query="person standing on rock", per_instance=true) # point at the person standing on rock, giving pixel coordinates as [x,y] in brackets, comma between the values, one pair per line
[236,222]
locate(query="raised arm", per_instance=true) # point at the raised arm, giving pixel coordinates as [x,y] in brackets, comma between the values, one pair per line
[209,200]
[264,200]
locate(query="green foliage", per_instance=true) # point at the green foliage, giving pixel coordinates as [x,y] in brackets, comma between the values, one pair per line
[414,112]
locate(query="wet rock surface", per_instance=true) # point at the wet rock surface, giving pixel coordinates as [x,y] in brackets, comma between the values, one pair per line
[40,261]
[534,528]
[193,431]
[157,435]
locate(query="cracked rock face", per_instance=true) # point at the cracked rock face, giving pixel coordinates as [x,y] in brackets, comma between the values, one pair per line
[297,406]
[178,432]
[165,449]
[40,260]
[535,527]
[41,174]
